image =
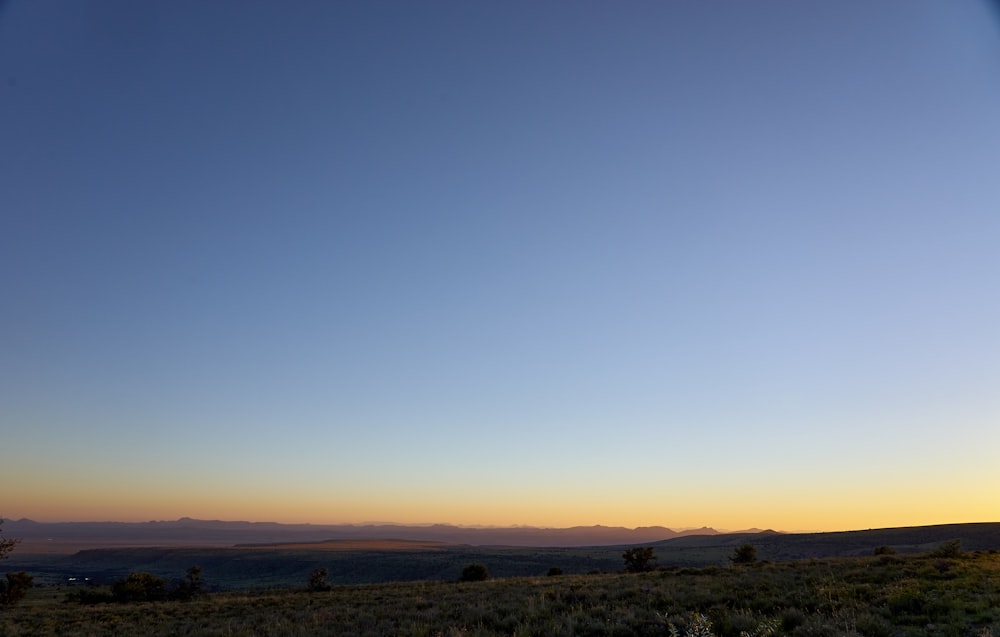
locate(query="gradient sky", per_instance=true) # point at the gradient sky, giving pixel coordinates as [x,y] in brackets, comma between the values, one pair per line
[552,263]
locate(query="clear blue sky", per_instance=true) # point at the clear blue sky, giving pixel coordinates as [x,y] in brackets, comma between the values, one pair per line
[677,263]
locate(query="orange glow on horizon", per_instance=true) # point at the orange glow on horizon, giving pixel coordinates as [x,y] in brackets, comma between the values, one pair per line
[800,518]
[800,506]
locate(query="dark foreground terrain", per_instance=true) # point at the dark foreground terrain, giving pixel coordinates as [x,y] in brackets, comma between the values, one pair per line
[935,593]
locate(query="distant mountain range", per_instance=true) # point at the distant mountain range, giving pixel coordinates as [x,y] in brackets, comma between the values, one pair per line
[66,536]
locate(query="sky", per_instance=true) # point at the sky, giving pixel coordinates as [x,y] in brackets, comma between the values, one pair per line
[492,263]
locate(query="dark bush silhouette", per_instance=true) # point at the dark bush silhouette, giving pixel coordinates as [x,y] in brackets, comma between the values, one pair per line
[139,587]
[6,545]
[951,548]
[555,570]
[189,587]
[639,559]
[317,581]
[16,585]
[744,554]
[15,588]
[474,573]
[90,597]
[884,550]
[144,587]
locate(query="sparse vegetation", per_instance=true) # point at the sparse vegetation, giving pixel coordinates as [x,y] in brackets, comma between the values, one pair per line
[317,581]
[949,549]
[744,554]
[139,587]
[861,596]
[639,559]
[699,625]
[475,573]
[6,544]
[189,587]
[142,587]
[15,586]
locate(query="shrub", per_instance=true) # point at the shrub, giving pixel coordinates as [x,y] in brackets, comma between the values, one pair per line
[951,548]
[872,625]
[90,597]
[15,588]
[792,618]
[317,581]
[139,587]
[17,584]
[698,625]
[190,587]
[906,601]
[6,546]
[474,573]
[639,560]
[744,554]
[555,570]
[884,550]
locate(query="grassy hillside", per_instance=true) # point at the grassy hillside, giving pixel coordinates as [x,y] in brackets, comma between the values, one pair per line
[885,596]
[786,546]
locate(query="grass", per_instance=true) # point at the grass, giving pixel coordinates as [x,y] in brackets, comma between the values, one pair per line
[886,596]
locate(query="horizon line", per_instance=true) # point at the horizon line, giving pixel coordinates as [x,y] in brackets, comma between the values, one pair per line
[675,529]
[678,529]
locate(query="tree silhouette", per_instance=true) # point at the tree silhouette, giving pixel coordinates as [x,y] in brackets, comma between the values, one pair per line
[744,554]
[15,588]
[17,584]
[317,581]
[6,545]
[139,587]
[474,573]
[189,587]
[639,559]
